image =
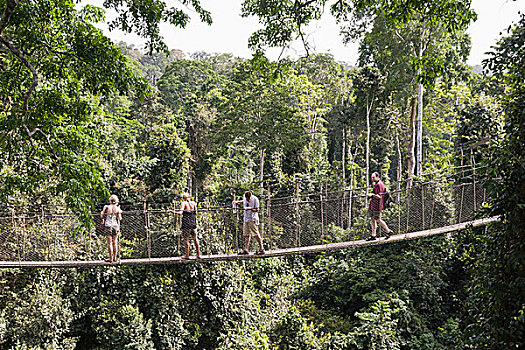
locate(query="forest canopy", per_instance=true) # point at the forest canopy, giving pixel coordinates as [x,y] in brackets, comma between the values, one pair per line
[82,117]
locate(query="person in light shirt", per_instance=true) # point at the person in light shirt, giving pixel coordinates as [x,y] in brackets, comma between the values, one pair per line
[251,222]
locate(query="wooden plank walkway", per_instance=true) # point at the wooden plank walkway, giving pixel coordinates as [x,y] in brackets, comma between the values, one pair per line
[269,254]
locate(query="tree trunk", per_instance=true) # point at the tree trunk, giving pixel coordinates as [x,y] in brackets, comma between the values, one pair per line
[343,167]
[419,159]
[343,158]
[419,154]
[411,145]
[399,160]
[350,194]
[261,170]
[368,108]
[190,182]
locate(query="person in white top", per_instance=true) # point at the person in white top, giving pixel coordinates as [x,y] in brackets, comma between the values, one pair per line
[251,222]
[111,216]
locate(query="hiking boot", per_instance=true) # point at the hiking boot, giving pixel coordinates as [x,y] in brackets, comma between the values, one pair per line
[260,252]
[244,252]
[371,238]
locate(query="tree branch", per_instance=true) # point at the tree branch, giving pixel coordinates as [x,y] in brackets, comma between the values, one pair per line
[24,60]
[8,11]
[298,6]
[46,136]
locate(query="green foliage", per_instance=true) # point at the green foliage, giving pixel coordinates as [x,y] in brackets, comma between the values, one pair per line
[83,124]
[378,325]
[190,88]
[406,284]
[38,316]
[256,105]
[293,332]
[55,64]
[326,321]
[495,256]
[144,156]
[283,21]
[122,327]
[150,66]
[428,23]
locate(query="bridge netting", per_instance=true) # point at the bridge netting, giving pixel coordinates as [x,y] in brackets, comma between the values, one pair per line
[285,222]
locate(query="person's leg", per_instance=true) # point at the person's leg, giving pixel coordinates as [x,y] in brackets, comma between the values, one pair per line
[115,248]
[259,239]
[257,235]
[385,226]
[247,240]
[186,246]
[374,226]
[110,247]
[196,241]
[246,232]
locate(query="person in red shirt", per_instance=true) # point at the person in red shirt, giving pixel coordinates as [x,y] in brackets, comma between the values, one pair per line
[375,207]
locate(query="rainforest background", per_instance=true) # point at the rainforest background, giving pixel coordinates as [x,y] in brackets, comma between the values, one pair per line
[82,117]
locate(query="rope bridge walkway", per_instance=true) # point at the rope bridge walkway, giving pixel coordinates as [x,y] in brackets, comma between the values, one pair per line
[289,225]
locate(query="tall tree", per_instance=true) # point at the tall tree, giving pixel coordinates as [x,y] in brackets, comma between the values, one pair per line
[265,112]
[389,49]
[355,18]
[55,66]
[431,23]
[497,254]
[368,83]
[190,87]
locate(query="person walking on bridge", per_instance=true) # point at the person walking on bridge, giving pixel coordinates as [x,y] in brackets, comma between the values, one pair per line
[251,222]
[111,216]
[188,210]
[375,207]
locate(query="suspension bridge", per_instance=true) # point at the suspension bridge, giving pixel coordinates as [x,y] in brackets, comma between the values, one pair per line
[298,224]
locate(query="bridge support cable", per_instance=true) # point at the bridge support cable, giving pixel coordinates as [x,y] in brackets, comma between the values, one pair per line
[292,224]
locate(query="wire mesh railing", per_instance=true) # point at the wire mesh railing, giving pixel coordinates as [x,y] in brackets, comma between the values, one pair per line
[295,221]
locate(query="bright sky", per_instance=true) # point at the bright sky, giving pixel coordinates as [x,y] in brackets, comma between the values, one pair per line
[229,32]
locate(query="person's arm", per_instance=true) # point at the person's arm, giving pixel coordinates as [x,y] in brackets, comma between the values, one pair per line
[255,208]
[103,211]
[181,208]
[176,211]
[374,194]
[242,202]
[119,215]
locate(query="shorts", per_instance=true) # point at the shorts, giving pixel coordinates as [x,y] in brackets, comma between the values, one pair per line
[189,232]
[250,228]
[376,214]
[110,230]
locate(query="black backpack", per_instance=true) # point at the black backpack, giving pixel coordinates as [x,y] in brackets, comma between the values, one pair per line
[387,199]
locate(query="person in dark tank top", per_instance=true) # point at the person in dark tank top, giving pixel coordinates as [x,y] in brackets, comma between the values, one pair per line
[188,210]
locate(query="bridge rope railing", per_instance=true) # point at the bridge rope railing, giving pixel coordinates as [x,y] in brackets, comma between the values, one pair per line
[285,222]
